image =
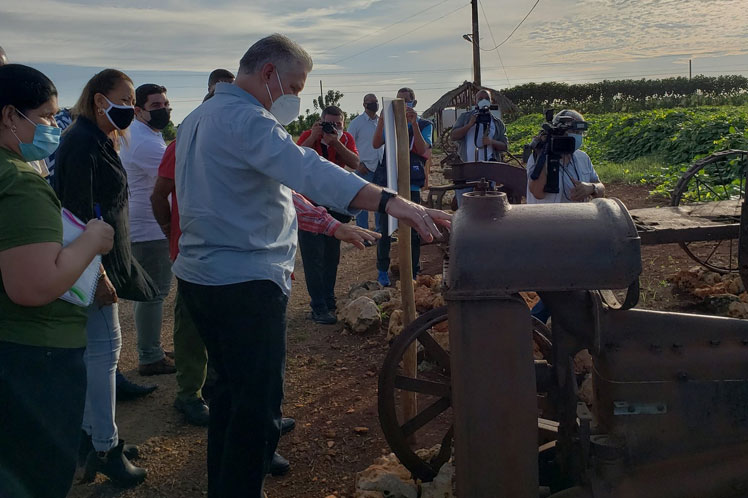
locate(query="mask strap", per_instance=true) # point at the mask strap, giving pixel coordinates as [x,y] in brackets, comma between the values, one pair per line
[279,80]
[26,118]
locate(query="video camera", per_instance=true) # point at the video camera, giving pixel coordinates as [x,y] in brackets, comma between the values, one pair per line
[552,143]
[330,128]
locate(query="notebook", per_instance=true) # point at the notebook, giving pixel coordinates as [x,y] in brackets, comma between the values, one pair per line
[83,290]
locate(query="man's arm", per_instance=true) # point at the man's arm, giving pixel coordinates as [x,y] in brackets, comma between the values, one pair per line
[312,135]
[160,203]
[460,129]
[346,153]
[420,146]
[536,186]
[378,139]
[316,219]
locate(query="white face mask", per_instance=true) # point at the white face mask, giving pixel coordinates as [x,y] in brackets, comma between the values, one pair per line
[285,108]
[483,103]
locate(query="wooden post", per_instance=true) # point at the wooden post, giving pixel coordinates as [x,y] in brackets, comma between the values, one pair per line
[410,359]
[476,44]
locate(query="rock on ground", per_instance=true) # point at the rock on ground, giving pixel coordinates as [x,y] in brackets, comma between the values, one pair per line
[361,316]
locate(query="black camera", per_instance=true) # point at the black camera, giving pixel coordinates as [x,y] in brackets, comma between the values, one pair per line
[552,143]
[484,115]
[330,128]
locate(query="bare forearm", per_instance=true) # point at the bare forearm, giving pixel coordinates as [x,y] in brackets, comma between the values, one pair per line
[309,142]
[161,210]
[367,198]
[378,139]
[419,143]
[459,133]
[348,157]
[536,186]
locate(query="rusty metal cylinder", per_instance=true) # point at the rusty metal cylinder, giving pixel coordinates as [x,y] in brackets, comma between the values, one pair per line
[496,250]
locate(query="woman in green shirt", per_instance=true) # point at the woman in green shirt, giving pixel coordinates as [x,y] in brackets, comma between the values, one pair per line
[42,338]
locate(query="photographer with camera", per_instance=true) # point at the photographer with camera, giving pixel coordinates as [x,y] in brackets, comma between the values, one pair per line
[480,135]
[320,254]
[557,171]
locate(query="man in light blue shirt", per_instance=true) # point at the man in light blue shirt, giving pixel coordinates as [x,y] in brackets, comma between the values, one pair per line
[362,129]
[235,168]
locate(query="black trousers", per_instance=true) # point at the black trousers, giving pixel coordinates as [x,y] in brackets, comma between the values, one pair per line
[244,329]
[383,245]
[42,395]
[320,255]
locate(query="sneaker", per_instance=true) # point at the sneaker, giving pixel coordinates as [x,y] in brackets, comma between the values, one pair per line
[384,279]
[325,318]
[163,366]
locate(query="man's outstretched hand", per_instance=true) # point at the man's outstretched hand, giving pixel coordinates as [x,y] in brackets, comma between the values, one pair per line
[423,220]
[355,235]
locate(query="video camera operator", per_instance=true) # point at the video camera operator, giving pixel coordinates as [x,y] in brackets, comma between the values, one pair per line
[572,177]
[480,135]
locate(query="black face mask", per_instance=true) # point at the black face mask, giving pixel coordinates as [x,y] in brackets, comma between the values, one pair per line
[159,118]
[372,106]
[120,115]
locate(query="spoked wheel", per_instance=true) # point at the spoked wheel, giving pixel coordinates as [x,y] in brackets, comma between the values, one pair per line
[716,185]
[432,424]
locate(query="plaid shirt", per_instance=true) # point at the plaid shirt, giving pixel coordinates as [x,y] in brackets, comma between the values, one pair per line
[313,218]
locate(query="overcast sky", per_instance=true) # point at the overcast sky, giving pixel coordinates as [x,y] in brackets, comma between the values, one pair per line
[378,46]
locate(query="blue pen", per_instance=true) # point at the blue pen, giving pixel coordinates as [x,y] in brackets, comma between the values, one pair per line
[97,210]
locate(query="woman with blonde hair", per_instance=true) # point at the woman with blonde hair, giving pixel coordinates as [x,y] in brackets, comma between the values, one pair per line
[92,184]
[42,338]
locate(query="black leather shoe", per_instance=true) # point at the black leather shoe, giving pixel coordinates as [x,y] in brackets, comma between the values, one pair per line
[127,390]
[115,465]
[279,466]
[287,425]
[129,450]
[324,317]
[195,411]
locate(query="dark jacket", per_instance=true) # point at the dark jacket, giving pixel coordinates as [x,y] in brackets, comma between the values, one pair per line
[89,172]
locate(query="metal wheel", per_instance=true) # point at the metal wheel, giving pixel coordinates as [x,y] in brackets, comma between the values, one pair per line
[720,177]
[433,423]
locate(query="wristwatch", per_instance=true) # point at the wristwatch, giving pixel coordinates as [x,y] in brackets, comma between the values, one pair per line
[387,194]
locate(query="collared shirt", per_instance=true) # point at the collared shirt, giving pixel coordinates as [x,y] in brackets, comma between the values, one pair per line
[579,168]
[141,153]
[466,146]
[311,218]
[362,128]
[235,168]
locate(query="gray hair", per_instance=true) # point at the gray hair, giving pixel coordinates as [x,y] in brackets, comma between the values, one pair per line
[275,49]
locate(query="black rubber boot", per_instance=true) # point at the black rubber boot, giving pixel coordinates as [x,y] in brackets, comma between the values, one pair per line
[115,465]
[86,447]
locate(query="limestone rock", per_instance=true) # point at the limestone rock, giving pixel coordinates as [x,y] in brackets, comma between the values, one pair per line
[363,288]
[361,316]
[583,362]
[380,296]
[392,305]
[586,390]
[720,303]
[424,298]
[738,310]
[442,485]
[388,477]
[396,325]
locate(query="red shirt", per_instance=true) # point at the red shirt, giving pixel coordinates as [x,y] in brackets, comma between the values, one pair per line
[346,139]
[166,170]
[311,218]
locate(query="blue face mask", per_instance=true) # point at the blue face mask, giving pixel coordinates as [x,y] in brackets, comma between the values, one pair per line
[45,143]
[577,140]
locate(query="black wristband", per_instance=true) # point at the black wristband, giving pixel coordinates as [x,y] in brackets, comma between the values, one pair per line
[387,194]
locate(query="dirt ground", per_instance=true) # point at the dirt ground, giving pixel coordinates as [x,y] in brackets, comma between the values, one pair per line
[331,388]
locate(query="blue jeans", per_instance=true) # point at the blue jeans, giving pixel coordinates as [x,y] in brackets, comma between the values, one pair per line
[42,391]
[153,256]
[102,353]
[362,218]
[244,329]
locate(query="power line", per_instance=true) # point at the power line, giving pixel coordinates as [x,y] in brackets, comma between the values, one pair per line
[515,28]
[494,40]
[400,36]
[385,27]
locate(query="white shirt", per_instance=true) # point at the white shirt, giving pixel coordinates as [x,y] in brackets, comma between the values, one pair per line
[580,168]
[471,140]
[141,154]
[362,128]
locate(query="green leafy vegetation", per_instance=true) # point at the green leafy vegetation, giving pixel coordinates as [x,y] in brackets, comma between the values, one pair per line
[656,146]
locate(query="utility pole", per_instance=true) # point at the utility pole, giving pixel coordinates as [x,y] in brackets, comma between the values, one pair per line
[321,97]
[689,69]
[476,44]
